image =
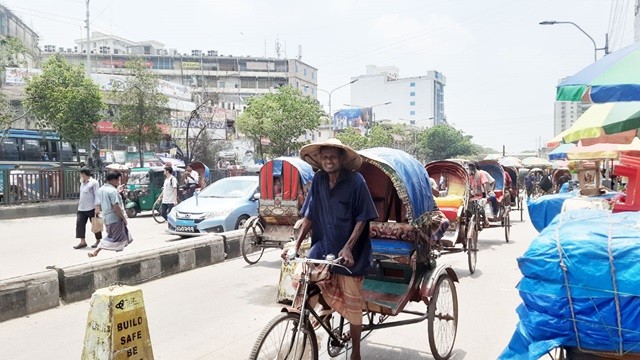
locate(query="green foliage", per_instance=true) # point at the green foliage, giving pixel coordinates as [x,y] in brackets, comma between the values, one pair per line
[141,106]
[444,142]
[65,100]
[10,51]
[351,136]
[281,117]
[378,136]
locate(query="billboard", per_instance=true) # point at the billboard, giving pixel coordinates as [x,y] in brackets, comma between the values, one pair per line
[19,76]
[361,118]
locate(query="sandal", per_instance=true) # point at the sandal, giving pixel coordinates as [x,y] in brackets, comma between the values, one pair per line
[80,246]
[325,317]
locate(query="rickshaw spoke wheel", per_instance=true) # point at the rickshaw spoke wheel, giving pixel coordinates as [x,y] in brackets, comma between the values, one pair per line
[250,245]
[472,244]
[282,340]
[443,318]
[155,212]
[507,227]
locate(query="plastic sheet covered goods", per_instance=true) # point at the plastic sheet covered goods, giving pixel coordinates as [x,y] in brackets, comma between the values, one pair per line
[580,286]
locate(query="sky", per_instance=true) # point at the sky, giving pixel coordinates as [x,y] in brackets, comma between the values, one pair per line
[501,66]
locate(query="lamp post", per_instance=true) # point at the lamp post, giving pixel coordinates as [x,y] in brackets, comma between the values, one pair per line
[88,69]
[595,47]
[329,93]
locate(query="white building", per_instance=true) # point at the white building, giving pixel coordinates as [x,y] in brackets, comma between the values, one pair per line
[637,21]
[565,113]
[417,100]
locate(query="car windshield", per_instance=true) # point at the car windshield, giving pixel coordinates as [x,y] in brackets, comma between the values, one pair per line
[139,178]
[229,188]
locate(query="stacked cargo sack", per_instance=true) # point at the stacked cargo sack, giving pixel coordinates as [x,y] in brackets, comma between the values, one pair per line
[580,286]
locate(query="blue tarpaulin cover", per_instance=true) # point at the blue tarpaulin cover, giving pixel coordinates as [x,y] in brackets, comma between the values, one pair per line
[594,303]
[545,208]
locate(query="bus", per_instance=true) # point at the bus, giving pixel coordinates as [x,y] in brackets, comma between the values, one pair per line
[25,146]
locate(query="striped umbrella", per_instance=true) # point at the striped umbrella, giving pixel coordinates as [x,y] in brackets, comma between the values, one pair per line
[615,77]
[615,122]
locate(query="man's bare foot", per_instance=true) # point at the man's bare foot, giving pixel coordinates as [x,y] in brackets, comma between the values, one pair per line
[91,254]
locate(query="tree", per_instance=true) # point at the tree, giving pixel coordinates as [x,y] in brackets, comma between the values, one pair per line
[280,117]
[444,142]
[141,106]
[63,98]
[352,137]
[380,135]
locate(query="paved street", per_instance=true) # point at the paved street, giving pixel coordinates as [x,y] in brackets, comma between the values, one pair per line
[30,245]
[217,312]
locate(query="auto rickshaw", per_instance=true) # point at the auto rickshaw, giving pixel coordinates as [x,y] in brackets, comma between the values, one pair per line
[143,189]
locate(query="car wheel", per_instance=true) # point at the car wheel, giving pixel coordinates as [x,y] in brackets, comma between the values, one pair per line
[242,220]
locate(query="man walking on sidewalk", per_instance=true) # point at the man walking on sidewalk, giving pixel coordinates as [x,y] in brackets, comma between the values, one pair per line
[86,207]
[110,205]
[169,192]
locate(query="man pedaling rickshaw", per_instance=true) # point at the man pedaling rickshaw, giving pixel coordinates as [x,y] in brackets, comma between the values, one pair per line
[483,185]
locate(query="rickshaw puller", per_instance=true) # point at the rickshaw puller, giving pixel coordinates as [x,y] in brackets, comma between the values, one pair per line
[338,209]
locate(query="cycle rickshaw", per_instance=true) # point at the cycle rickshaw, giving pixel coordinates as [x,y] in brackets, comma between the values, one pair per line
[556,177]
[284,183]
[517,190]
[502,195]
[404,271]
[462,213]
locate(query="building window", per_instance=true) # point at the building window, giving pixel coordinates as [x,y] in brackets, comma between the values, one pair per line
[304,71]
[412,103]
[412,84]
[413,93]
[296,68]
[412,112]
[297,86]
[313,75]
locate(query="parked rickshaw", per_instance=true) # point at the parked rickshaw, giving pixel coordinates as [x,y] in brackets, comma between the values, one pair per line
[516,191]
[462,213]
[284,183]
[405,271]
[556,177]
[502,195]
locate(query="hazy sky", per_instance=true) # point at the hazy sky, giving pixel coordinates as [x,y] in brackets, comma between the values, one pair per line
[501,66]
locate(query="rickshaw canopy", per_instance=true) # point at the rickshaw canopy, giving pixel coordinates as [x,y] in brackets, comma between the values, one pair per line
[495,170]
[408,175]
[293,172]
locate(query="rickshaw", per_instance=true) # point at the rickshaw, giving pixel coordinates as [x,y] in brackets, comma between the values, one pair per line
[284,183]
[143,190]
[204,178]
[502,195]
[555,177]
[463,214]
[405,270]
[517,190]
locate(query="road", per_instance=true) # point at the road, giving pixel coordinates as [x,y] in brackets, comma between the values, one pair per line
[218,311]
[31,244]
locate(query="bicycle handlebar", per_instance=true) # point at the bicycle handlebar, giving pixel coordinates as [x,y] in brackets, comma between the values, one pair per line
[330,262]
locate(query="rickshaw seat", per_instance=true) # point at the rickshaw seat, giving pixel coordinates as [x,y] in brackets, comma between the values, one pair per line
[392,247]
[498,195]
[450,212]
[454,201]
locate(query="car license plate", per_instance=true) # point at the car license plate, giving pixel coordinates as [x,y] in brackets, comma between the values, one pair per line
[185,226]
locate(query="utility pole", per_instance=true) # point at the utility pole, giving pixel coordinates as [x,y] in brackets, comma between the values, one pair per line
[88,66]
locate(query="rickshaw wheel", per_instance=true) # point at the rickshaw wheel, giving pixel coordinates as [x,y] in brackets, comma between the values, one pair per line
[155,212]
[280,340]
[248,243]
[507,226]
[442,320]
[472,244]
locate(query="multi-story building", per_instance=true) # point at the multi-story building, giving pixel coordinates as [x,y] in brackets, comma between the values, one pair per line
[417,100]
[233,78]
[12,27]
[565,113]
[636,26]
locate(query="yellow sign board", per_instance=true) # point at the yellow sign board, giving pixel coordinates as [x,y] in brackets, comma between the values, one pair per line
[117,326]
[190,65]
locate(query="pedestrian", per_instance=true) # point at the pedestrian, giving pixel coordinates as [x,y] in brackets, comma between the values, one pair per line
[191,179]
[86,207]
[169,192]
[338,210]
[111,206]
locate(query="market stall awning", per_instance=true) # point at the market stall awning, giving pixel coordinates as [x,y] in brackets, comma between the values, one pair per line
[606,123]
[603,151]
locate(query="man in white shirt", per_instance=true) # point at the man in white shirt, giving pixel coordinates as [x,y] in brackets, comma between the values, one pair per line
[169,192]
[86,207]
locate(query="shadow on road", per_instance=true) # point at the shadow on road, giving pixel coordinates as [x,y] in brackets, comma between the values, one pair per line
[373,350]
[464,273]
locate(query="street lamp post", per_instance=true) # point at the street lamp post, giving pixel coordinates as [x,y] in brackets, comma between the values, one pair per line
[329,93]
[595,47]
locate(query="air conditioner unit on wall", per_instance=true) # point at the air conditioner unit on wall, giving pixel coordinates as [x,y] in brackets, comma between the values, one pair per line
[132,149]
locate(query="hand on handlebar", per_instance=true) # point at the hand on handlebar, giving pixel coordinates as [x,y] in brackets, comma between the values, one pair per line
[347,257]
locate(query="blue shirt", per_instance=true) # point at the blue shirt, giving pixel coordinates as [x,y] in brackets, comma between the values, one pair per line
[107,197]
[334,214]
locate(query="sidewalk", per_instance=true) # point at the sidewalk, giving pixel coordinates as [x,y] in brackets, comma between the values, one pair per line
[50,208]
[31,244]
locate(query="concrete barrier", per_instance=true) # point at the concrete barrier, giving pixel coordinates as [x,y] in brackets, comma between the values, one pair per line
[39,209]
[24,295]
[27,294]
[78,282]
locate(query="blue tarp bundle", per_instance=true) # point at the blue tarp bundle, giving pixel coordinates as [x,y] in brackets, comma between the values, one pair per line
[545,208]
[601,254]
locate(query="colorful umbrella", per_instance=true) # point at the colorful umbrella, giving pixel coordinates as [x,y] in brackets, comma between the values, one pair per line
[603,151]
[535,162]
[560,153]
[615,77]
[510,161]
[606,123]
